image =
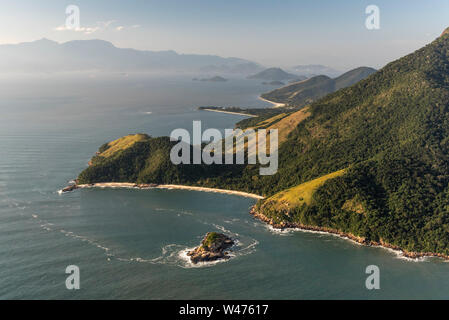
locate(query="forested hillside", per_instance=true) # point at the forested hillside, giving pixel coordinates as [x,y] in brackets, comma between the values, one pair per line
[305,92]
[388,138]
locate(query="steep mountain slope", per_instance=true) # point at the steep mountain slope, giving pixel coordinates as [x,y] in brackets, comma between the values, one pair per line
[302,93]
[390,132]
[274,74]
[353,76]
[376,156]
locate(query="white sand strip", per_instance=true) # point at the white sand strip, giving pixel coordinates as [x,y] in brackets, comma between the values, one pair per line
[234,192]
[167,186]
[275,104]
[230,112]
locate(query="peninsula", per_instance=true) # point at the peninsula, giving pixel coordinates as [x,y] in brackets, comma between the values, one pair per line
[369,161]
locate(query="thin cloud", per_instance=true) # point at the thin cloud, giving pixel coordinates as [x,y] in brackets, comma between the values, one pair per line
[100,26]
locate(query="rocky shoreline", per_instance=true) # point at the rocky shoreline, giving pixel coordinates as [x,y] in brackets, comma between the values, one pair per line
[360,240]
[76,186]
[260,216]
[213,247]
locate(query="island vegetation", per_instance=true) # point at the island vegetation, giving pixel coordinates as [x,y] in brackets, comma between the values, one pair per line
[213,247]
[273,74]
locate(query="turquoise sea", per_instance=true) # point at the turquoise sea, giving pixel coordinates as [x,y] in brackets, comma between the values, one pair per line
[128,244]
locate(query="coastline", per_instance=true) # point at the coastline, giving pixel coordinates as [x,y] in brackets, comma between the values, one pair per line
[275,104]
[131,185]
[230,112]
[348,236]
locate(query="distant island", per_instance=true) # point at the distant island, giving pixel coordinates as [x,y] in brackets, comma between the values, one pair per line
[212,79]
[369,161]
[273,74]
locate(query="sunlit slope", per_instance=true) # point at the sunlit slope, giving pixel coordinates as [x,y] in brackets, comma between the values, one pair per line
[133,158]
[121,144]
[303,193]
[283,123]
[289,123]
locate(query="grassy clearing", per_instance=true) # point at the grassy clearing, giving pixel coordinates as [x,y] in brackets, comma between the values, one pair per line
[288,124]
[269,121]
[296,196]
[122,144]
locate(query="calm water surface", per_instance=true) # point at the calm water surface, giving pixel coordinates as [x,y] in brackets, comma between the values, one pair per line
[128,244]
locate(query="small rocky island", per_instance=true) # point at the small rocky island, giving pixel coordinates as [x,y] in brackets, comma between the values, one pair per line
[213,247]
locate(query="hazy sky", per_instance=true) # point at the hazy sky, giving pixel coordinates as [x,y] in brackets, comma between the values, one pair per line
[274,33]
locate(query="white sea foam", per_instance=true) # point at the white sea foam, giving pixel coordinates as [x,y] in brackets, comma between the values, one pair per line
[176,211]
[223,229]
[398,253]
[189,264]
[172,254]
[47,226]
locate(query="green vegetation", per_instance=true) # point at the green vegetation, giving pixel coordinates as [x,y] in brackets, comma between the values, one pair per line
[302,194]
[112,147]
[305,92]
[389,132]
[210,239]
[274,74]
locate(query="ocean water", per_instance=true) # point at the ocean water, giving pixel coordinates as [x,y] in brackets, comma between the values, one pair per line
[129,244]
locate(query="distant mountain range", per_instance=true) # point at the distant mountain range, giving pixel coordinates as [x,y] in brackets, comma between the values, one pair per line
[307,91]
[273,74]
[97,55]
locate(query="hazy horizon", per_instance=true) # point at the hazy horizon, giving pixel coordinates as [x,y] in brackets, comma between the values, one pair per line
[266,32]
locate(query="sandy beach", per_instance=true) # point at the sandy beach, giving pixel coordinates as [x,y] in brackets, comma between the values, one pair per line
[230,112]
[163,186]
[275,104]
[203,189]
